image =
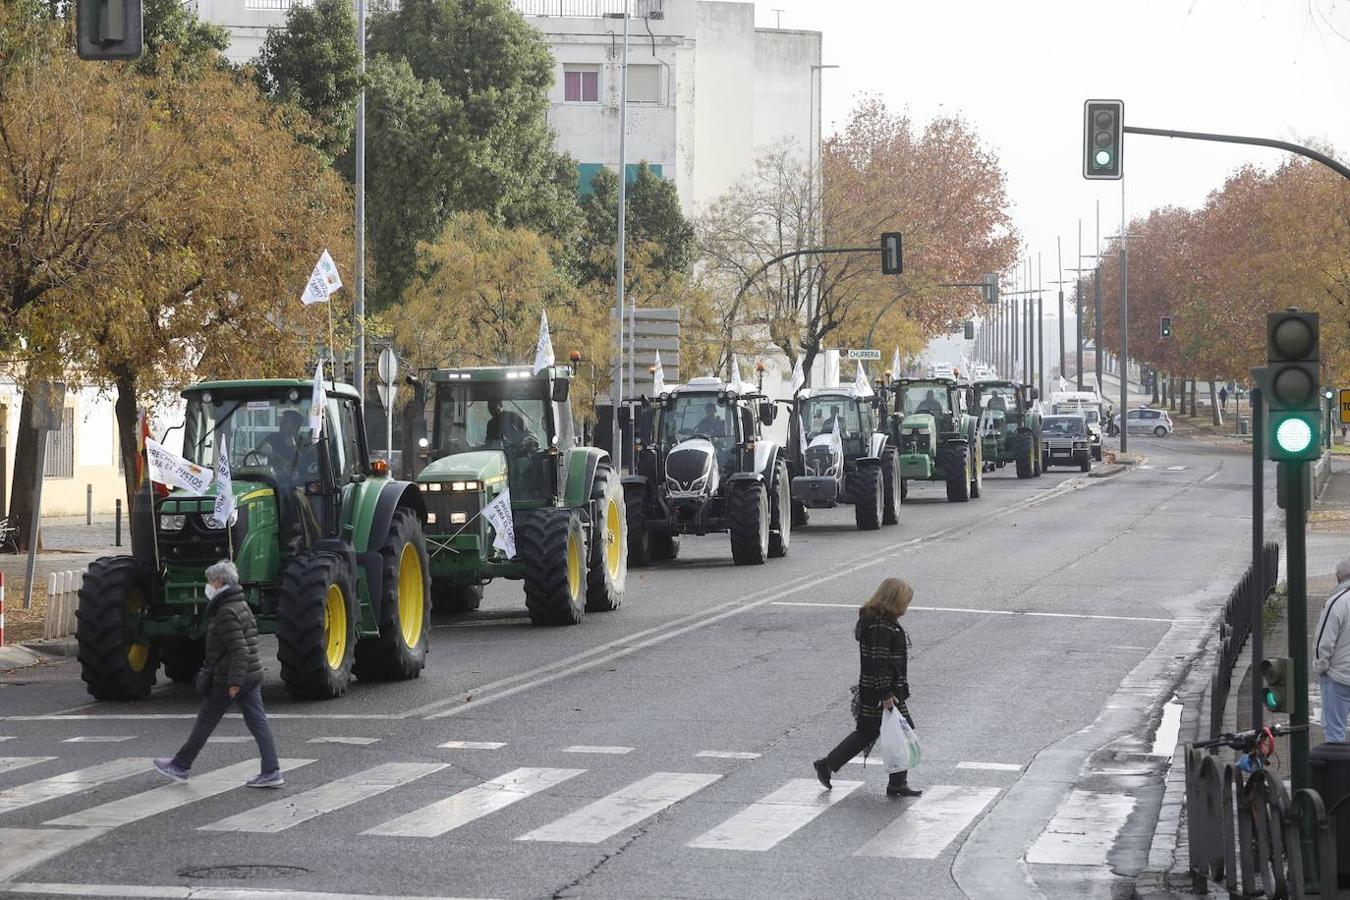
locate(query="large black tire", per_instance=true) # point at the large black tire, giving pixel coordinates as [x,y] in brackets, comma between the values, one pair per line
[904,489]
[112,668]
[801,516]
[316,626]
[1024,449]
[890,487]
[607,569]
[1097,452]
[867,499]
[455,598]
[952,462]
[665,545]
[639,538]
[748,510]
[976,473]
[1040,458]
[1084,462]
[399,652]
[182,658]
[780,512]
[551,544]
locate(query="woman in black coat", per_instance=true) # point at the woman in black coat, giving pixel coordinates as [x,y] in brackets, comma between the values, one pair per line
[883,680]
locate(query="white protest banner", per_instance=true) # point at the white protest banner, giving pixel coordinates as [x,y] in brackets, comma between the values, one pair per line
[895,363]
[861,386]
[167,467]
[223,510]
[736,386]
[658,377]
[798,377]
[836,439]
[543,347]
[498,515]
[317,404]
[323,281]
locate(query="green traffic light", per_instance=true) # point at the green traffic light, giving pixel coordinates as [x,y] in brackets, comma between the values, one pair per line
[1293,435]
[1103,158]
[1272,702]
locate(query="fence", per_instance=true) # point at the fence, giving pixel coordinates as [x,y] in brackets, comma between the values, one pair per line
[589,9]
[1239,614]
[62,599]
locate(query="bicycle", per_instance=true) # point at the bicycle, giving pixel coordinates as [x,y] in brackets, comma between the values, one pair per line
[1255,746]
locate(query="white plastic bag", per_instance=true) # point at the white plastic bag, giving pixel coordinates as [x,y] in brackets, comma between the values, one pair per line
[898,745]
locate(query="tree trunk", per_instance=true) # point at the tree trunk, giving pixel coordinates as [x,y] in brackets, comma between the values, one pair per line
[1194,408]
[1154,382]
[1182,379]
[1215,412]
[124,410]
[25,467]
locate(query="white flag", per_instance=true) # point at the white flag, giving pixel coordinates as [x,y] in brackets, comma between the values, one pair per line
[498,515]
[801,426]
[836,439]
[318,402]
[167,467]
[223,510]
[861,386]
[798,379]
[895,363]
[658,377]
[831,368]
[543,348]
[322,281]
[736,386]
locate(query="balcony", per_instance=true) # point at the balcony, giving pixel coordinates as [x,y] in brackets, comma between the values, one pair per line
[589,9]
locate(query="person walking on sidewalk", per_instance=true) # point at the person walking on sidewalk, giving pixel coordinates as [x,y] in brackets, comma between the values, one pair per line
[231,673]
[883,680]
[1331,655]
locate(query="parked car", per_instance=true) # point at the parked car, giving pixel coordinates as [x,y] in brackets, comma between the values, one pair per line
[1145,421]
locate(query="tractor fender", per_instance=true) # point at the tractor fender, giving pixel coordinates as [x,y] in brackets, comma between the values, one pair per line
[879,442]
[635,485]
[579,474]
[742,479]
[766,458]
[370,534]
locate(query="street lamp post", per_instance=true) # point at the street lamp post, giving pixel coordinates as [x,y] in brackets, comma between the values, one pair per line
[616,379]
[359,301]
[812,142]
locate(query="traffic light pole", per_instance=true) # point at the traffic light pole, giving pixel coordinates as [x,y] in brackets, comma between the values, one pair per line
[1296,579]
[1258,547]
[1124,328]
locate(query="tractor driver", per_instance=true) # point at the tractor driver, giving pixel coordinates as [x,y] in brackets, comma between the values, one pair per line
[505,427]
[291,458]
[998,403]
[931,404]
[836,419]
[711,424]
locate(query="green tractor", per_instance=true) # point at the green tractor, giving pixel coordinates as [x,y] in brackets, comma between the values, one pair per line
[1010,425]
[937,439]
[496,428]
[329,548]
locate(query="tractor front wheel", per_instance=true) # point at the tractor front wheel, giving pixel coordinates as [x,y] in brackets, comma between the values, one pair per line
[552,546]
[801,516]
[867,500]
[890,487]
[608,567]
[748,510]
[316,626]
[399,652]
[182,657]
[780,512]
[1024,447]
[113,664]
[665,545]
[639,538]
[952,462]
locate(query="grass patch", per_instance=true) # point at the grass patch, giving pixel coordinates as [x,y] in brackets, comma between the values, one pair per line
[1272,613]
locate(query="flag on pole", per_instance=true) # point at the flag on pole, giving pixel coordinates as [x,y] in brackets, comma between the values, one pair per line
[836,439]
[861,386]
[895,363]
[323,281]
[801,427]
[223,510]
[498,515]
[167,467]
[318,402]
[736,386]
[798,377]
[543,348]
[658,377]
[142,433]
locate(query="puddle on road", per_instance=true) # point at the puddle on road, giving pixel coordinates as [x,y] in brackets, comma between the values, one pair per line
[1165,741]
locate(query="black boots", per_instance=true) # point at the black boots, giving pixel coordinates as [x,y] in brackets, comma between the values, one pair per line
[898,786]
[822,772]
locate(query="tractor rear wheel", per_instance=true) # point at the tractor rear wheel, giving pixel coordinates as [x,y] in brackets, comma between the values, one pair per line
[316,626]
[552,547]
[801,516]
[867,498]
[639,538]
[748,510]
[182,657]
[1024,447]
[114,589]
[890,487]
[399,652]
[780,512]
[952,462]
[608,566]
[904,489]
[455,598]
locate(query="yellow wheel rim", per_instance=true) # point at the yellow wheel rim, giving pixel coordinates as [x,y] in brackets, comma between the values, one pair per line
[411,601]
[613,547]
[138,655]
[574,567]
[335,627]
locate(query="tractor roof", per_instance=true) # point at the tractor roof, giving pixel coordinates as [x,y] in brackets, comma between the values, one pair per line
[996,382]
[711,384]
[945,382]
[500,373]
[259,386]
[843,392]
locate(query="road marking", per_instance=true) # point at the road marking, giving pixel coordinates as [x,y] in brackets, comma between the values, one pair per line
[291,811]
[171,796]
[23,848]
[231,739]
[6,737]
[991,766]
[622,809]
[929,824]
[587,748]
[764,823]
[474,803]
[987,612]
[10,763]
[178,892]
[337,739]
[142,717]
[1176,468]
[99,739]
[473,745]
[1083,829]
[70,783]
[726,754]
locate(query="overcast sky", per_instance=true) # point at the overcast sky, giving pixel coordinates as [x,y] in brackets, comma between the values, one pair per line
[1020,71]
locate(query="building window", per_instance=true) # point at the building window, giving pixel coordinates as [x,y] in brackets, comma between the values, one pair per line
[644,84]
[586,172]
[61,448]
[581,85]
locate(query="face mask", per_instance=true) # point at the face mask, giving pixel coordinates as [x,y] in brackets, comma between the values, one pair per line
[211,591]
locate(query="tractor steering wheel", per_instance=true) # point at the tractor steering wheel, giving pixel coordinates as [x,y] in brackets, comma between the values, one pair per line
[259,460]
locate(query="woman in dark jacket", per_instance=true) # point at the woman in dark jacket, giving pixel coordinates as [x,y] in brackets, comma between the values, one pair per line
[233,674]
[883,680]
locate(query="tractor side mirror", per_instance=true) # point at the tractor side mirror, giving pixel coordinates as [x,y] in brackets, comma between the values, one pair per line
[561,388]
[767,412]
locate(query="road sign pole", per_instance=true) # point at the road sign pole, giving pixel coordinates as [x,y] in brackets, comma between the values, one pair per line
[1124,328]
[1258,544]
[1296,514]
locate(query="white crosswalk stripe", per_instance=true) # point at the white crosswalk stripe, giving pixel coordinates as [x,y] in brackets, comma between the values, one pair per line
[930,823]
[69,783]
[170,796]
[474,803]
[473,745]
[99,739]
[334,795]
[622,809]
[23,848]
[10,763]
[351,741]
[764,823]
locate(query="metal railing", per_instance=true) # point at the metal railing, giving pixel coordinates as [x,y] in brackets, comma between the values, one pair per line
[589,9]
[1239,615]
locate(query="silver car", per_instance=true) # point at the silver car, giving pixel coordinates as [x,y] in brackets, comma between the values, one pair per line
[1146,421]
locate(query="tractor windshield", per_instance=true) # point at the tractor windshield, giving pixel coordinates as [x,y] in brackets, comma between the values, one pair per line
[819,414]
[699,415]
[482,415]
[1003,399]
[268,436]
[931,398]
[1064,425]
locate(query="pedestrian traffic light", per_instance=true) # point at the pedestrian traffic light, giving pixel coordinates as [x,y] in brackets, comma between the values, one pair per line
[108,29]
[1103,133]
[892,253]
[1165,328]
[1276,673]
[1291,388]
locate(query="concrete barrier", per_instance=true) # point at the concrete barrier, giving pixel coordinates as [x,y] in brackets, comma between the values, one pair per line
[62,599]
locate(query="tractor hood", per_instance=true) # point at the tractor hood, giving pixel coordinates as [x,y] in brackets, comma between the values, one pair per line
[476,465]
[919,421]
[691,468]
[184,501]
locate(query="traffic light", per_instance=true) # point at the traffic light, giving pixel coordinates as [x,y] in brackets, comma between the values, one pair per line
[1291,388]
[892,253]
[108,29]
[969,331]
[989,288]
[1165,327]
[1103,133]
[1276,672]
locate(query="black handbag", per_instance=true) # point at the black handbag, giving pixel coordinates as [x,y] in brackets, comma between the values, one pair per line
[206,676]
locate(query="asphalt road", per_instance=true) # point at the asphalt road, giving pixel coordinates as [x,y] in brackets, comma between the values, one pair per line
[664,750]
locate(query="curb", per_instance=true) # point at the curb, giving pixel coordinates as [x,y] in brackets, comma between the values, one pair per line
[1108,471]
[18,657]
[66,646]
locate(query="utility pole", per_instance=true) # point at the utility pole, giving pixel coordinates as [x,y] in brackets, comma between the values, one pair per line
[1040,328]
[1097,300]
[616,381]
[1125,326]
[1078,306]
[359,301]
[1059,255]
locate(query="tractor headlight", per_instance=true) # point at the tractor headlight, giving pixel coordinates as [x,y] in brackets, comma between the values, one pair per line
[172,523]
[698,483]
[457,486]
[672,483]
[458,518]
[465,486]
[434,487]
